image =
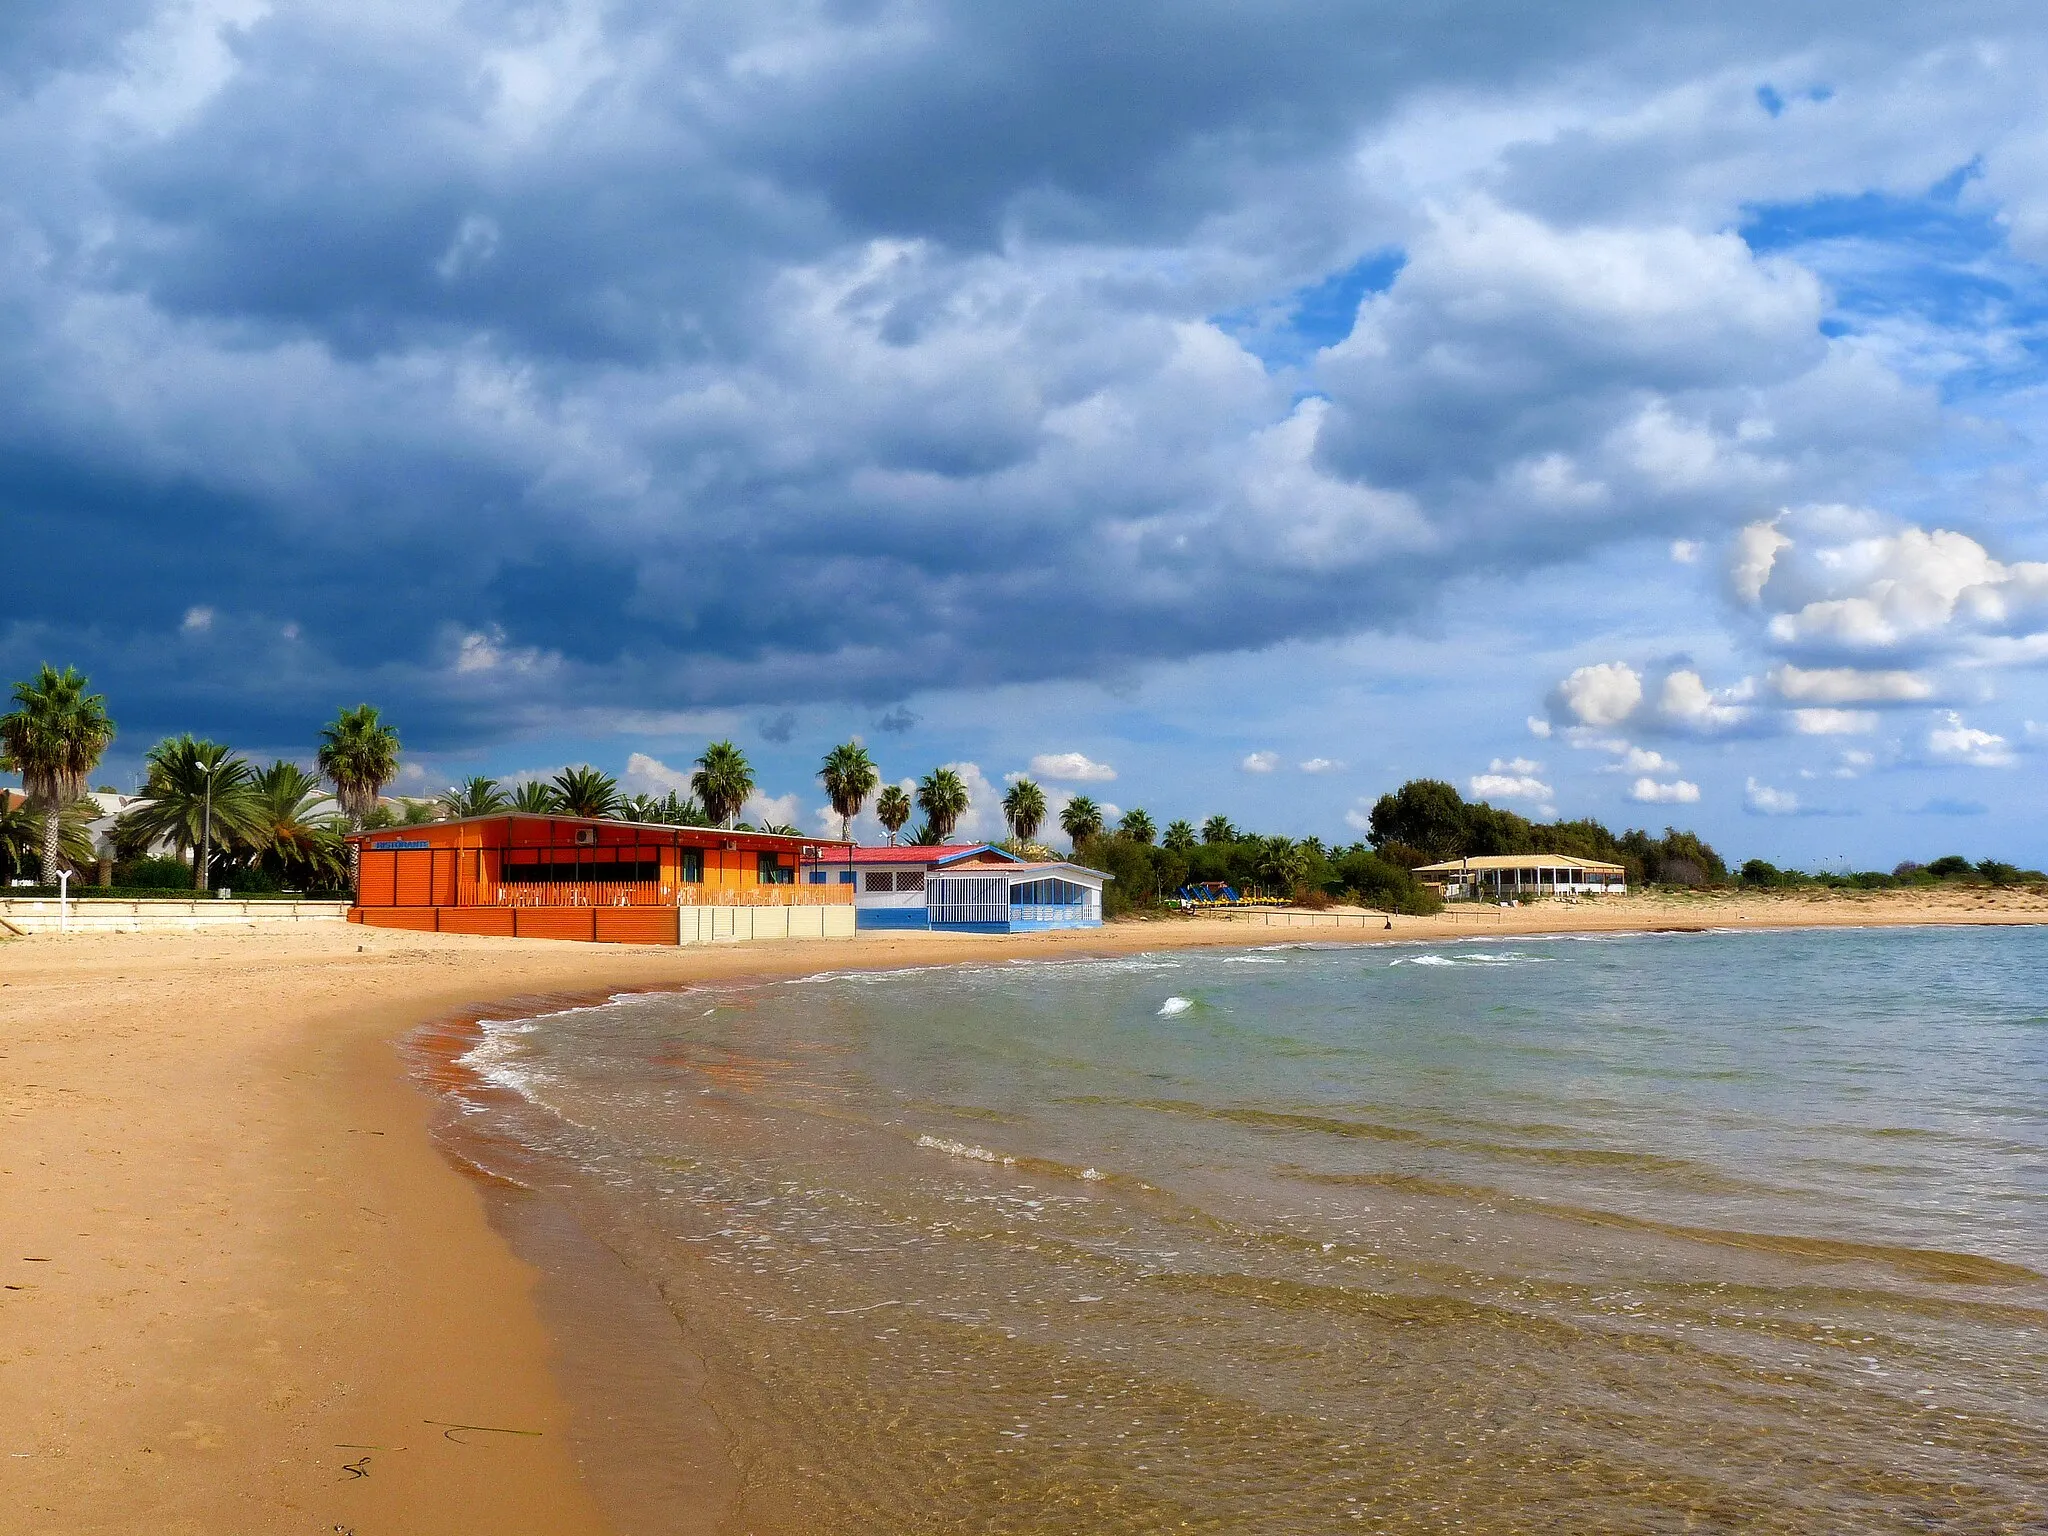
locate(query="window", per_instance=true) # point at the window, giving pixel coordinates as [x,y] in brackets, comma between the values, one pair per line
[1046,893]
[814,877]
[691,870]
[547,871]
[909,879]
[879,880]
[772,871]
[846,877]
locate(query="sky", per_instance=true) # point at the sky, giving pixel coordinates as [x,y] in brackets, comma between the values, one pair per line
[1213,408]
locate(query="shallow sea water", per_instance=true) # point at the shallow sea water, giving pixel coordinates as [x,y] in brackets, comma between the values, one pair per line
[1643,1233]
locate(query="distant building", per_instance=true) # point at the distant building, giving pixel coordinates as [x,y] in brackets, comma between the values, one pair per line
[971,888]
[1503,876]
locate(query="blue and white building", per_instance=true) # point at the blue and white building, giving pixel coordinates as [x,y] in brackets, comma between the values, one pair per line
[971,888]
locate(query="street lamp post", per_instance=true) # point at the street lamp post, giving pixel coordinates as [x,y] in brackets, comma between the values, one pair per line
[206,829]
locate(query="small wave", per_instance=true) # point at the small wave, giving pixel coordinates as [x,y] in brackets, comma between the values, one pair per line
[1173,1007]
[1253,960]
[965,1149]
[1472,959]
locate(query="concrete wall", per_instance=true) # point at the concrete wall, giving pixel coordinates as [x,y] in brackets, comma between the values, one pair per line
[40,915]
[718,925]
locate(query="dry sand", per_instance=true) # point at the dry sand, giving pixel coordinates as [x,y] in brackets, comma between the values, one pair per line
[244,1292]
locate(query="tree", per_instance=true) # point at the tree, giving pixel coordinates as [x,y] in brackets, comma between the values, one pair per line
[850,777]
[1137,826]
[1180,836]
[722,782]
[1217,829]
[1424,814]
[586,792]
[535,798]
[943,798]
[196,795]
[359,755]
[21,836]
[1024,809]
[1080,819]
[892,809]
[294,832]
[474,797]
[54,737]
[1284,863]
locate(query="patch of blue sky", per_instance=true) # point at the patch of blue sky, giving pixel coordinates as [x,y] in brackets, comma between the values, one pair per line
[1932,275]
[1287,331]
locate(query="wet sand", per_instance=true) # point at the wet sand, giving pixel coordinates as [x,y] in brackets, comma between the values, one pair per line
[245,1291]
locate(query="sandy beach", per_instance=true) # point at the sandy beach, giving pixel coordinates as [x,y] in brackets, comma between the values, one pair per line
[244,1289]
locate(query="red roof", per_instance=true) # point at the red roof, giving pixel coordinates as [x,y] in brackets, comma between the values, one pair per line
[907,854]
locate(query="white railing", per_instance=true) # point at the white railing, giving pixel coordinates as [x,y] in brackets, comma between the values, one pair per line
[968,899]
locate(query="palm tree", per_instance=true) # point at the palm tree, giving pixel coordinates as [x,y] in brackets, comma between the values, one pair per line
[54,738]
[676,812]
[1217,829]
[892,809]
[1024,809]
[1285,863]
[723,781]
[196,793]
[943,799]
[295,831]
[850,777]
[924,835]
[474,797]
[21,836]
[535,798]
[359,755]
[1081,818]
[1180,836]
[586,792]
[1137,826]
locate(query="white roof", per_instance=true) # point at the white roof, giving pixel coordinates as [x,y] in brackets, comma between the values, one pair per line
[1518,861]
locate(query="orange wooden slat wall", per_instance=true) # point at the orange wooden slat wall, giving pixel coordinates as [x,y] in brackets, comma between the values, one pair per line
[376,879]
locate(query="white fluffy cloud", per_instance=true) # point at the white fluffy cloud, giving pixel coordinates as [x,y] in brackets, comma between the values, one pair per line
[1953,741]
[1510,779]
[1852,581]
[1321,765]
[1071,768]
[1848,685]
[762,810]
[1833,722]
[1636,759]
[1649,791]
[1260,762]
[646,775]
[1603,694]
[1760,799]
[1687,702]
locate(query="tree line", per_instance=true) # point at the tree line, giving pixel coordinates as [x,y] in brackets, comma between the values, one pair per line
[270,827]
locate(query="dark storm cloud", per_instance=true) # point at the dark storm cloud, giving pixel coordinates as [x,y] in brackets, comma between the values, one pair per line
[513,362]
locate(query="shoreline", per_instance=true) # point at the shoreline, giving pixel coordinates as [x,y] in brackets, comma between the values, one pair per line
[255,1264]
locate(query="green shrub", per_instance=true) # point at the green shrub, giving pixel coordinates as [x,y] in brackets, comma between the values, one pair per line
[154,875]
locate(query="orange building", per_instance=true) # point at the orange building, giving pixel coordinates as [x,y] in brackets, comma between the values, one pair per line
[619,882]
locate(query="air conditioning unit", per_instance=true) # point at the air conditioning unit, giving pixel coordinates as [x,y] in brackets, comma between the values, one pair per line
[810,852]
[586,837]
